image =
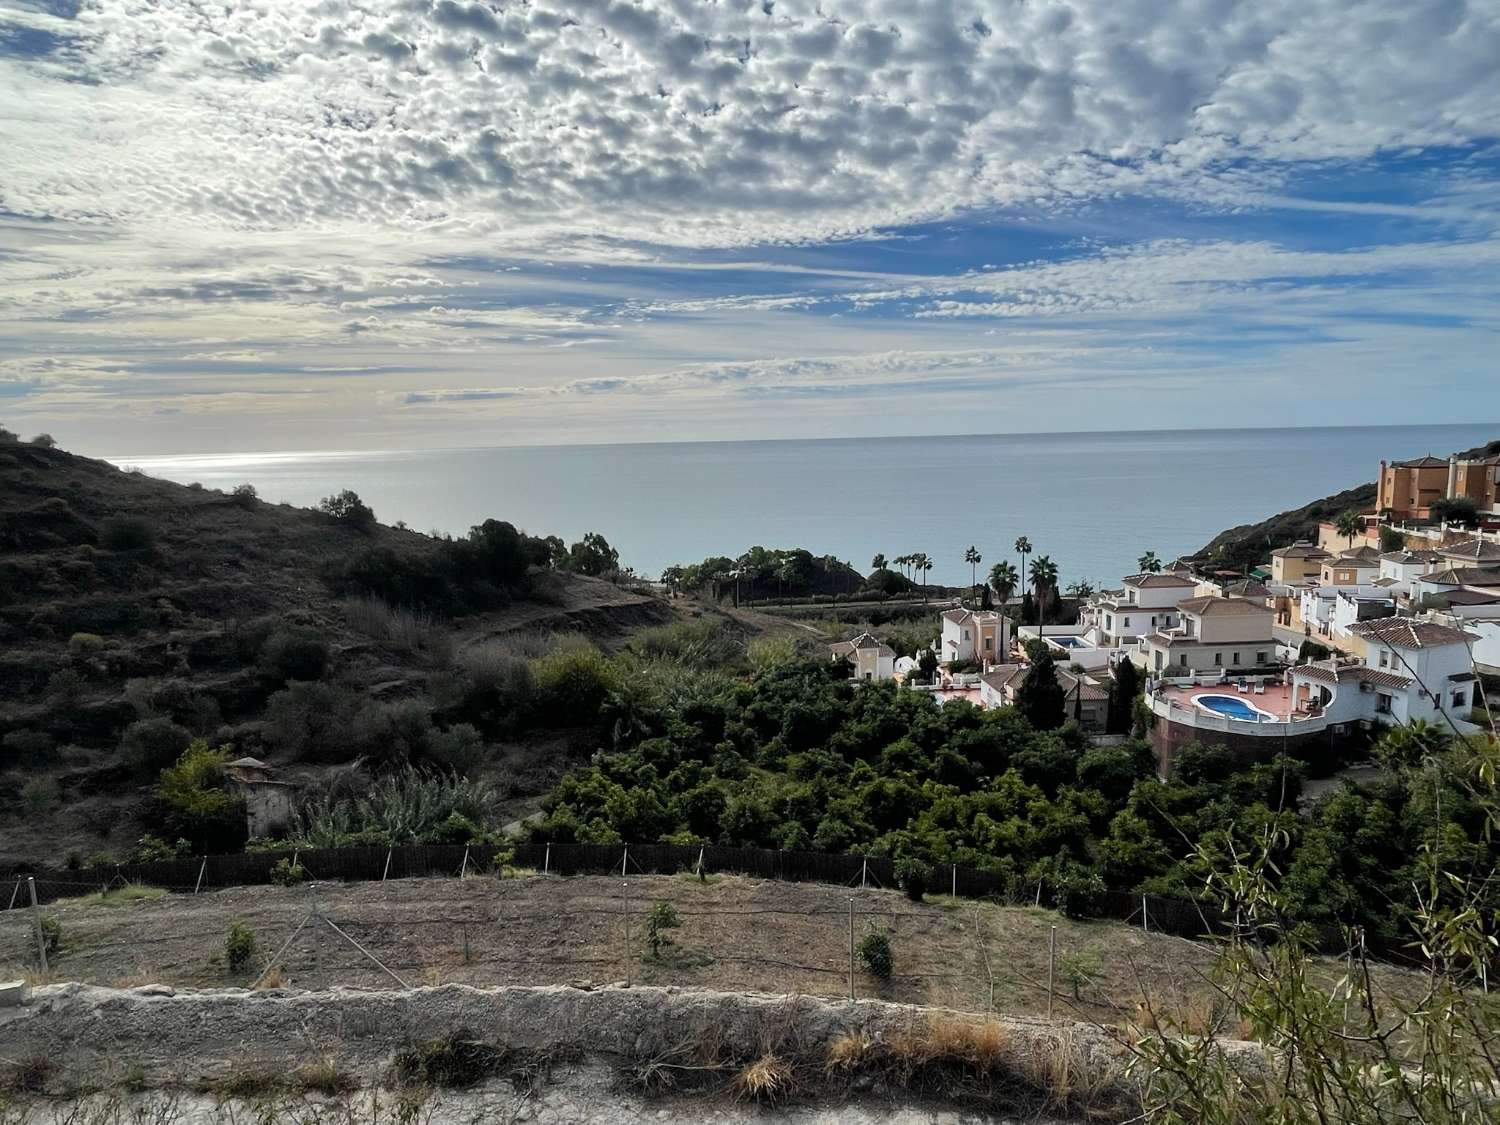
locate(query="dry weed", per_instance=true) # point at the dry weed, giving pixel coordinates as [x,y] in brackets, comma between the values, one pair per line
[766,1080]
[949,1039]
[271,978]
[849,1051]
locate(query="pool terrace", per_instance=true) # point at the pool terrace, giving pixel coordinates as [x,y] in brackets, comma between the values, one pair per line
[1179,703]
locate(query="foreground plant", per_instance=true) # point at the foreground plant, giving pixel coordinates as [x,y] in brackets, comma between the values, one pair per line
[1349,1053]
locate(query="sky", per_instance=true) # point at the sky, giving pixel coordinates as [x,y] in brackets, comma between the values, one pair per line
[326,224]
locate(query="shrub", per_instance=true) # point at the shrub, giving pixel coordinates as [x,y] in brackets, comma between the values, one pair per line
[663,917]
[7,435]
[1080,967]
[152,744]
[244,495]
[153,849]
[126,533]
[572,683]
[85,644]
[874,954]
[287,872]
[294,654]
[459,748]
[239,947]
[455,1060]
[911,874]
[407,630]
[198,804]
[41,795]
[46,441]
[64,686]
[348,508]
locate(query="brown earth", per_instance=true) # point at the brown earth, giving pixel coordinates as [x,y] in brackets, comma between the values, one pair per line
[735,934]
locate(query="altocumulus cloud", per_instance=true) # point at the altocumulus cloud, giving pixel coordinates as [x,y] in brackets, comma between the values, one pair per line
[323,185]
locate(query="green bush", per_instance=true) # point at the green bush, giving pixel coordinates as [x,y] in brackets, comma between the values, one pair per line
[239,947]
[64,686]
[459,748]
[126,533]
[244,495]
[572,683]
[875,955]
[85,644]
[150,745]
[663,917]
[294,654]
[154,849]
[911,875]
[41,795]
[287,873]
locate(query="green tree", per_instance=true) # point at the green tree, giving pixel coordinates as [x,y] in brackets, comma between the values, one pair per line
[199,806]
[1023,549]
[1124,689]
[1148,563]
[878,562]
[1003,581]
[1459,511]
[1040,698]
[592,555]
[973,558]
[1044,582]
[1349,524]
[153,743]
[348,508]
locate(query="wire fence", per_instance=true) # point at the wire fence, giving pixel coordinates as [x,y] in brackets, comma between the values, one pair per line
[778,937]
[1179,916]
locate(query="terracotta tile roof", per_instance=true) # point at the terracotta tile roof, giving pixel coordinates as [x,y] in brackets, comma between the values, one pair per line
[1410,557]
[1365,556]
[1010,676]
[1409,632]
[958,616]
[1322,673]
[1152,581]
[1428,462]
[1470,597]
[1301,551]
[863,641]
[1246,588]
[1474,550]
[1002,675]
[1465,576]
[1222,607]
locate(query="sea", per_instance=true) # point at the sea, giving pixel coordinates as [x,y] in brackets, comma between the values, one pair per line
[1092,502]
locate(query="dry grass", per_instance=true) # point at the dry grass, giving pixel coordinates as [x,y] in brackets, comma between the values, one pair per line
[271,978]
[850,1051]
[324,1077]
[946,1038]
[766,1081]
[1066,1075]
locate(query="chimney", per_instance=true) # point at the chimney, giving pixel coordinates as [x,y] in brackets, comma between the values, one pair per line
[1452,475]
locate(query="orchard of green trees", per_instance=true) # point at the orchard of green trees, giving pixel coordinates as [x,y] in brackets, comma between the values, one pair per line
[796,758]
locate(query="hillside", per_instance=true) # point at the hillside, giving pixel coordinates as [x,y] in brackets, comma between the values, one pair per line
[126,600]
[1246,546]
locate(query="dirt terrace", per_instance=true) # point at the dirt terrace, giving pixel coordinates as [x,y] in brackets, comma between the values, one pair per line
[735,934]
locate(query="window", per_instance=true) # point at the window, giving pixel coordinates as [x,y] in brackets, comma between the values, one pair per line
[1218,660]
[1236,660]
[1458,699]
[1382,704]
[1184,660]
[1127,623]
[1385,658]
[1260,658]
[989,644]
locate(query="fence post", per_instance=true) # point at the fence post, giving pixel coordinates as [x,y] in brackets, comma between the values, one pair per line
[954,893]
[626,912]
[36,923]
[864,873]
[624,858]
[14,892]
[547,860]
[700,863]
[1051,968]
[463,869]
[851,948]
[1145,925]
[201,869]
[387,870]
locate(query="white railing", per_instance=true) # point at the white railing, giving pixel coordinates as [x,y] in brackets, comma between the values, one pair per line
[1192,715]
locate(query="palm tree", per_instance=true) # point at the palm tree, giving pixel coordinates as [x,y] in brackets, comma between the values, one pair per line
[878,562]
[1003,580]
[1043,579]
[1349,524]
[1148,563]
[1023,548]
[973,558]
[926,570]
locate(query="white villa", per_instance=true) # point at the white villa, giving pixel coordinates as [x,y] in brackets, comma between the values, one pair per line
[974,637]
[1403,568]
[1085,698]
[871,659]
[1412,668]
[1215,634]
[1118,619]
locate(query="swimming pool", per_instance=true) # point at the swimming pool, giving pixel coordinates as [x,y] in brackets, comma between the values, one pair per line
[1066,642]
[1233,707]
